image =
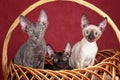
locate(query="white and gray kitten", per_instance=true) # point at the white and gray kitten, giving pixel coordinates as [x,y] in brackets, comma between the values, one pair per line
[32,53]
[84,51]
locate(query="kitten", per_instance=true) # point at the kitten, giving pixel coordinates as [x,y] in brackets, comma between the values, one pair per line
[60,59]
[32,53]
[84,52]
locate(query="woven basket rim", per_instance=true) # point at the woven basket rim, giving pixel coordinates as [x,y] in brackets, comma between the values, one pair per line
[109,60]
[41,2]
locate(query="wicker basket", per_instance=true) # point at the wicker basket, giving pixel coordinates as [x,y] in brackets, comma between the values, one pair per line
[107,61]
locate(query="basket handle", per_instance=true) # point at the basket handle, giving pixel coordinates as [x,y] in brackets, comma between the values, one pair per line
[32,7]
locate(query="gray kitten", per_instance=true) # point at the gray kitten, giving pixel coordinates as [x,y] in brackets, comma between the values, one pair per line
[32,53]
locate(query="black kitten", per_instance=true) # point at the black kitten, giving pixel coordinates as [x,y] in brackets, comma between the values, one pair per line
[60,59]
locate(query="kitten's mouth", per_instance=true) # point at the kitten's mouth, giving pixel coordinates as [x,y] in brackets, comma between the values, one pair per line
[62,67]
[37,37]
[90,40]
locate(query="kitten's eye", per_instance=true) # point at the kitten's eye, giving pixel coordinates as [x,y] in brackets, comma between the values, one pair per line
[96,34]
[31,31]
[41,30]
[55,60]
[64,59]
[87,32]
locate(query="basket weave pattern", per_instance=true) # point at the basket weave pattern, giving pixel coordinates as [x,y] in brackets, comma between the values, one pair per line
[109,66]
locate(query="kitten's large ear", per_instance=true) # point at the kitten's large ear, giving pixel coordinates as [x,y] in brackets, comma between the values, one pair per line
[50,51]
[67,49]
[102,25]
[43,20]
[84,21]
[24,22]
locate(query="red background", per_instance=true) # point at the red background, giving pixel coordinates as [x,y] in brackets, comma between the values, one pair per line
[64,23]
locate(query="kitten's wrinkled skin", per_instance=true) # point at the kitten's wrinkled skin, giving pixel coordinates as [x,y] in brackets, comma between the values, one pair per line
[32,53]
[84,51]
[60,59]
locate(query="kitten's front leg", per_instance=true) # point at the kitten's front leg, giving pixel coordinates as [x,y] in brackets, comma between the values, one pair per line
[85,62]
[92,62]
[78,65]
[82,64]
[41,65]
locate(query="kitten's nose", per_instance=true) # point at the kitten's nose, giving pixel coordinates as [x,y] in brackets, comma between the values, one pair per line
[61,63]
[91,36]
[37,36]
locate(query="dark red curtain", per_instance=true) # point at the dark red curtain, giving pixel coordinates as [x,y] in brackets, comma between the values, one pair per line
[64,23]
